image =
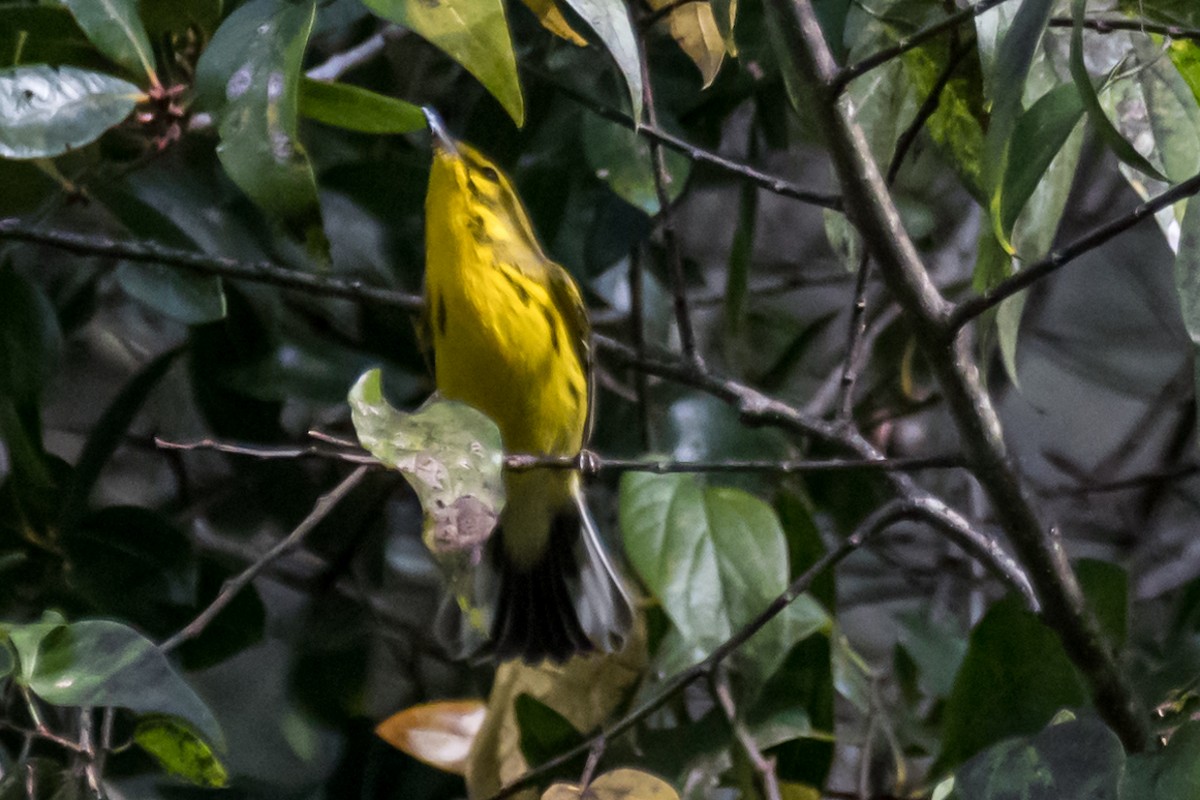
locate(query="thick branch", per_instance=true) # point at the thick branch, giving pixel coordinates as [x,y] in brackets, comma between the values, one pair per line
[870,206]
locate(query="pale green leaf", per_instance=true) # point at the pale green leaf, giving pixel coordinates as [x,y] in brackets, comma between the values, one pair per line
[117,31]
[357,109]
[610,20]
[45,112]
[472,32]
[180,751]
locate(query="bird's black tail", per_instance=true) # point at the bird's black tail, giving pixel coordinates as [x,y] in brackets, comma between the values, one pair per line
[571,601]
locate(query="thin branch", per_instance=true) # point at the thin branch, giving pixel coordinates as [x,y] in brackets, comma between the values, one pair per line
[876,522]
[666,219]
[592,463]
[772,183]
[972,308]
[193,261]
[842,77]
[229,590]
[338,65]
[1111,25]
[858,322]
[870,205]
[764,767]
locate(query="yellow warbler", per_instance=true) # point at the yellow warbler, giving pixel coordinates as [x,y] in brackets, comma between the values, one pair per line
[510,337]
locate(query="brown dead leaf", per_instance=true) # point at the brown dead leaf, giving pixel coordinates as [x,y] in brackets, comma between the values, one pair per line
[440,734]
[620,784]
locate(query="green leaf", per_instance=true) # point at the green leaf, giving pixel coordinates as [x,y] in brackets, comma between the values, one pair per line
[1170,773]
[610,20]
[472,32]
[30,339]
[1014,678]
[250,73]
[357,109]
[109,432]
[1039,135]
[936,649]
[1187,279]
[101,663]
[180,751]
[450,453]
[622,160]
[1185,55]
[1104,126]
[131,562]
[116,29]
[1014,55]
[1106,588]
[1075,760]
[544,733]
[714,558]
[26,639]
[46,111]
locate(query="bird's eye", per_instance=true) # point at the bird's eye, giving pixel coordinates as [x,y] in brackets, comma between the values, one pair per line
[490,174]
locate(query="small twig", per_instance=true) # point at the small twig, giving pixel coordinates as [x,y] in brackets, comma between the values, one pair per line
[599,745]
[338,65]
[229,590]
[637,314]
[666,219]
[267,452]
[865,65]
[764,767]
[1111,25]
[257,271]
[772,183]
[972,308]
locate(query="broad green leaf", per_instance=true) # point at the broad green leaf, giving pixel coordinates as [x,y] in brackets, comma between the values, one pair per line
[1106,587]
[1087,92]
[449,453]
[185,296]
[957,124]
[694,28]
[714,557]
[179,751]
[545,733]
[47,111]
[610,20]
[1075,760]
[357,109]
[26,639]
[1169,773]
[100,663]
[937,649]
[1013,58]
[30,340]
[1039,135]
[472,32]
[621,159]
[116,29]
[1014,678]
[254,62]
[1185,55]
[792,714]
[1171,12]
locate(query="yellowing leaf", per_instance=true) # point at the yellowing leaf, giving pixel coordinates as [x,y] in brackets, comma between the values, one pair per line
[440,734]
[694,27]
[586,691]
[620,784]
[553,20]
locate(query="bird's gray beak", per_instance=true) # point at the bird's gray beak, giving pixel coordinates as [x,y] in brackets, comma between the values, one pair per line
[442,139]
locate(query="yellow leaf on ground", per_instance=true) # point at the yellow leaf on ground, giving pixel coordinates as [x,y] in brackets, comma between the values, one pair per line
[620,784]
[586,690]
[553,20]
[693,26]
[440,734]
